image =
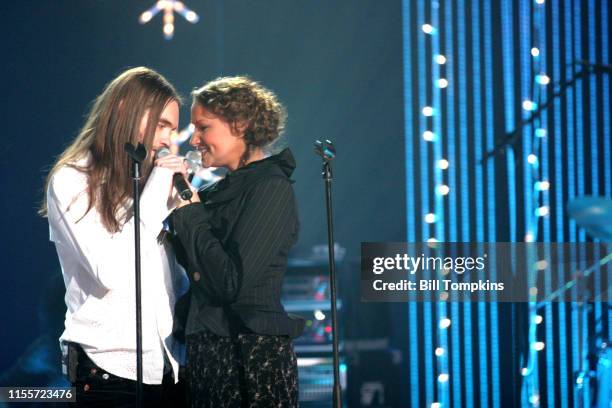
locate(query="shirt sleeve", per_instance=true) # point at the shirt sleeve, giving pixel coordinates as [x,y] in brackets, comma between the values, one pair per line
[109,257]
[264,226]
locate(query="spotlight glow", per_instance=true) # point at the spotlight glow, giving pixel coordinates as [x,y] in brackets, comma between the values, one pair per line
[540,132]
[442,378]
[428,111]
[443,164]
[443,189]
[442,83]
[428,28]
[445,323]
[439,351]
[542,185]
[543,211]
[538,319]
[430,218]
[542,79]
[440,59]
[535,52]
[532,159]
[429,136]
[538,346]
[529,105]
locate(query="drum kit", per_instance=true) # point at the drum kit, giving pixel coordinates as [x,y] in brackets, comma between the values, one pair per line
[593,382]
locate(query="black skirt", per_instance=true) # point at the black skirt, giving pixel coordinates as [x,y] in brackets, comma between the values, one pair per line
[246,370]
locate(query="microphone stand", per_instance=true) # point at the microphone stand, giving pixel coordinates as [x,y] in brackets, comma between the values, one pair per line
[137,154]
[327,151]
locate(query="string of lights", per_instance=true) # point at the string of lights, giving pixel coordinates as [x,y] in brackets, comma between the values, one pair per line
[169,7]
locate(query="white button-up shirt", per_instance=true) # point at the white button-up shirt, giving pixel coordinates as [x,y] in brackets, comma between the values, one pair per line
[98,270]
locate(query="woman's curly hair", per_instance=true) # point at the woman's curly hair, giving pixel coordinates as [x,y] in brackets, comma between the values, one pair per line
[246,106]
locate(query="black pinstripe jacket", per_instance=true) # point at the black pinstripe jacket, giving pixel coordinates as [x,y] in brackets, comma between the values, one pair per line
[234,246]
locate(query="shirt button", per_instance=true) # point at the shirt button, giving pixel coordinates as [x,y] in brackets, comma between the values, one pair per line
[196,276]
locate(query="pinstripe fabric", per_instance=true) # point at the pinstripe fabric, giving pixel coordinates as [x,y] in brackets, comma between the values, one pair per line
[234,246]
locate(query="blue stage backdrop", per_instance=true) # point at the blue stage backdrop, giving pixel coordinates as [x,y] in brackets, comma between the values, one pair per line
[472,71]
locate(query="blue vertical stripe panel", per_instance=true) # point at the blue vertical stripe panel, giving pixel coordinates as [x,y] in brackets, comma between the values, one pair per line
[427,355]
[491,221]
[456,344]
[443,388]
[593,133]
[464,192]
[569,57]
[580,173]
[607,108]
[476,109]
[407,29]
[509,105]
[557,188]
[540,24]
[607,113]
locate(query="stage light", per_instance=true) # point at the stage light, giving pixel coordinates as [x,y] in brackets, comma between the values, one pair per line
[439,351]
[442,83]
[319,315]
[440,59]
[542,79]
[428,111]
[538,319]
[169,7]
[443,164]
[429,136]
[529,105]
[146,17]
[436,405]
[529,237]
[542,185]
[532,159]
[445,323]
[541,264]
[524,371]
[191,16]
[534,400]
[535,52]
[540,132]
[533,291]
[542,211]
[432,240]
[428,29]
[442,378]
[539,1]
[538,346]
[443,189]
[430,218]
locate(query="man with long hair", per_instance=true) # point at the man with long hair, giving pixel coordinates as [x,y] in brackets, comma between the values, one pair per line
[89,208]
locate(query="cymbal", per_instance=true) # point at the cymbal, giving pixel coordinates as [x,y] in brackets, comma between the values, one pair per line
[594,214]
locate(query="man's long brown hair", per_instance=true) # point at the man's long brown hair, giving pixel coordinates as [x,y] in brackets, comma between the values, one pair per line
[114,120]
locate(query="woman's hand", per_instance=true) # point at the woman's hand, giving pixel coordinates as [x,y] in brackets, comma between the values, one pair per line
[195,198]
[174,163]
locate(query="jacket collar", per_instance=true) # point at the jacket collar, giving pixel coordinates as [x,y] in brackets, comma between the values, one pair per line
[236,181]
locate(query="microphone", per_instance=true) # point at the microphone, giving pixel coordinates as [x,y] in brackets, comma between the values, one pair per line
[177,179]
